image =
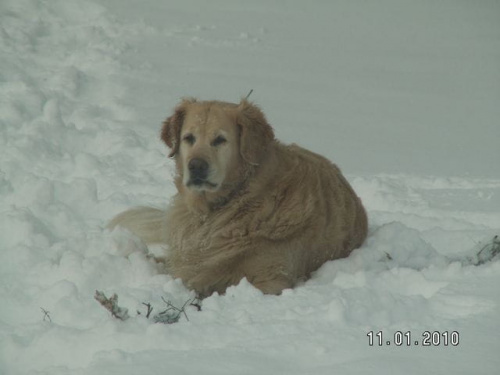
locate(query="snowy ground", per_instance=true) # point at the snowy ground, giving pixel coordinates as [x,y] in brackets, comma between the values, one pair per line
[402,95]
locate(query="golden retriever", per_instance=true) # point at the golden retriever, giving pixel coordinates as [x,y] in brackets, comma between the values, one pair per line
[247,205]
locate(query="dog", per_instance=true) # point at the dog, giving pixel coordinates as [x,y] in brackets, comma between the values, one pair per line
[247,205]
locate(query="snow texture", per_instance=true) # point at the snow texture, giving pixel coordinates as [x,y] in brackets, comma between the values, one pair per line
[402,95]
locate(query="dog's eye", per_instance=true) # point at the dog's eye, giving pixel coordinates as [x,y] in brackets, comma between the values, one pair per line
[189,138]
[219,140]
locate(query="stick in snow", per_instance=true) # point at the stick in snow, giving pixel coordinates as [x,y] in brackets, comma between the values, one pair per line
[46,315]
[172,314]
[487,252]
[111,304]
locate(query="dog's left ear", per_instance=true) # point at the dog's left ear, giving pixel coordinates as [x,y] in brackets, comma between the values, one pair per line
[171,131]
[255,132]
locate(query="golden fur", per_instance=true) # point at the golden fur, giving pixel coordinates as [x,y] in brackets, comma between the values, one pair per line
[248,206]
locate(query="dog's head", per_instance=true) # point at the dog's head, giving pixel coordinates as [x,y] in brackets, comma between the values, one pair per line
[214,143]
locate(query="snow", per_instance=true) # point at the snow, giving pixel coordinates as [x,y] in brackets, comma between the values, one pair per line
[402,95]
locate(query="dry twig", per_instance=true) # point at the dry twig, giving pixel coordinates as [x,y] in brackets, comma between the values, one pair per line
[46,315]
[488,252]
[172,314]
[150,309]
[111,304]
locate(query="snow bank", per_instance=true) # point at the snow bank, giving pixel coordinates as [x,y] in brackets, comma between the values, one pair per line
[84,87]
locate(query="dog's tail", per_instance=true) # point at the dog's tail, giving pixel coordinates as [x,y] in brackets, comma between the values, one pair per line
[145,222]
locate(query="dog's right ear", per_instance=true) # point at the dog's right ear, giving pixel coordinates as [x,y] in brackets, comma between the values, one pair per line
[171,131]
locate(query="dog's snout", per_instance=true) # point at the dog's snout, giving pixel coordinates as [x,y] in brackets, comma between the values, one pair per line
[198,168]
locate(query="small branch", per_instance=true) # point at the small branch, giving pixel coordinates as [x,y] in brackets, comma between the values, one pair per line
[111,304]
[485,254]
[488,251]
[172,314]
[248,95]
[46,315]
[150,309]
[196,303]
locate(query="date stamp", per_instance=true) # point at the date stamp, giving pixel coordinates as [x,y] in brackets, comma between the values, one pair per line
[408,338]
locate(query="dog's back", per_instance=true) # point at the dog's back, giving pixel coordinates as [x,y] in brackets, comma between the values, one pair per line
[319,216]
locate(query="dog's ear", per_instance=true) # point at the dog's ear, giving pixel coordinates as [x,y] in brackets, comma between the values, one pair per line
[171,131]
[255,132]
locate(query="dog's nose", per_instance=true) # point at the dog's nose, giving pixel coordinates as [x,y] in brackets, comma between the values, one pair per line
[198,168]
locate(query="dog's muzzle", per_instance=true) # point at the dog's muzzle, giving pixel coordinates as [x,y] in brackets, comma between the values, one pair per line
[198,173]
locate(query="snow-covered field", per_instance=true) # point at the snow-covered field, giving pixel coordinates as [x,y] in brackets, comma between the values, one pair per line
[403,96]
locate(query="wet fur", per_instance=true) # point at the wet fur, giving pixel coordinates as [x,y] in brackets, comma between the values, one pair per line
[280,213]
